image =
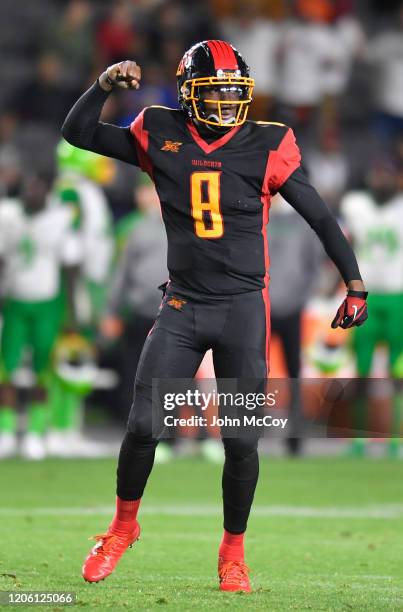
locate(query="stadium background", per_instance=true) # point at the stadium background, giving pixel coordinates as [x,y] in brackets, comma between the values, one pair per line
[347,111]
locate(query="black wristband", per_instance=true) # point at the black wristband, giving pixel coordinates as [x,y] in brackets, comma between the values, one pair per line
[358,294]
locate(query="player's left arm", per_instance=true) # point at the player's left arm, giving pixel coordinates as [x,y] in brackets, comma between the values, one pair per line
[302,196]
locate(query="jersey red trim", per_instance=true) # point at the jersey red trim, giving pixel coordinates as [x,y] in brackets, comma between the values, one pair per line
[265,295]
[141,141]
[287,158]
[265,199]
[223,55]
[216,144]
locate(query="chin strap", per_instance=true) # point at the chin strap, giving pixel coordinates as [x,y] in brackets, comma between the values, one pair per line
[210,130]
[213,117]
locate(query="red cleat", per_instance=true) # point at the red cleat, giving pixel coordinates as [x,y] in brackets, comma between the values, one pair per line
[106,553]
[233,576]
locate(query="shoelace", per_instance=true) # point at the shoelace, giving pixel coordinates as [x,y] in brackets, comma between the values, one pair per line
[107,540]
[234,570]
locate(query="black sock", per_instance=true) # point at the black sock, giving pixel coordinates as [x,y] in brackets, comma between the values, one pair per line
[239,479]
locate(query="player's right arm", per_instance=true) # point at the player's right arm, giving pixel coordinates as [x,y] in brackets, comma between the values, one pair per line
[82,127]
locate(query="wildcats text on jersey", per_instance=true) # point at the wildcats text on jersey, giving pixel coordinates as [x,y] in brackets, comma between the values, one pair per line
[206,163]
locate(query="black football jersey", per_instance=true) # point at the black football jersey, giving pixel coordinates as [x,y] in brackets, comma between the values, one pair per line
[215,196]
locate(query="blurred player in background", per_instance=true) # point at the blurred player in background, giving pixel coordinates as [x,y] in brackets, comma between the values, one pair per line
[80,176]
[374,221]
[133,297]
[295,254]
[84,173]
[214,174]
[37,241]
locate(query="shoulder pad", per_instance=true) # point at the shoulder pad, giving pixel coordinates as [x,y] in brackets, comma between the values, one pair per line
[269,133]
[157,117]
[270,123]
[164,107]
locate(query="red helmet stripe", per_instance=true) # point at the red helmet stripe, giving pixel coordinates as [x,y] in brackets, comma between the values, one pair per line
[223,55]
[215,52]
[229,53]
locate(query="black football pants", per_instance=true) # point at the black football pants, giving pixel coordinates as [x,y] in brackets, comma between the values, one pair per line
[236,328]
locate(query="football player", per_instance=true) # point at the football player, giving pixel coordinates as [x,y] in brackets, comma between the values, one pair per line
[78,184]
[37,242]
[214,173]
[374,222]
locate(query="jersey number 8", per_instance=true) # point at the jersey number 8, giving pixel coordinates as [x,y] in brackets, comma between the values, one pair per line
[205,201]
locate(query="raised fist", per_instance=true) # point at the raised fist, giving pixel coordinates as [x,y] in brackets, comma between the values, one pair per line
[126,74]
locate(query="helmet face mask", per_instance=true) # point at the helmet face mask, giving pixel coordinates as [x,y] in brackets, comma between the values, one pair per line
[217,97]
[219,101]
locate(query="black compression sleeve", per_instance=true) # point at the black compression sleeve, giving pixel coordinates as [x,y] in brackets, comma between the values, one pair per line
[305,199]
[83,129]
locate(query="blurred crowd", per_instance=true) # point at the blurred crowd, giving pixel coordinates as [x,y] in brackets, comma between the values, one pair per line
[332,70]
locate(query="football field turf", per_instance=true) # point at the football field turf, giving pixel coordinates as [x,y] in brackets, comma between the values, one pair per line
[325,534]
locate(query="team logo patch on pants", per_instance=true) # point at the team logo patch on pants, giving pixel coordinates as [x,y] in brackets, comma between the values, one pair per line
[176,303]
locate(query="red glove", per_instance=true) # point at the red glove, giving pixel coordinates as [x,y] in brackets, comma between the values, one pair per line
[353,311]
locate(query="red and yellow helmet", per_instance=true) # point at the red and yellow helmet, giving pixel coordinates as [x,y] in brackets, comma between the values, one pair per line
[214,66]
